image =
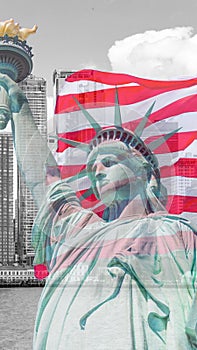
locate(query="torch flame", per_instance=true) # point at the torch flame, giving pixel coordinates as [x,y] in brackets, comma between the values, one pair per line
[13,29]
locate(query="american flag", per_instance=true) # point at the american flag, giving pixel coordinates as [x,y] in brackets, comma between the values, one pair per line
[175,106]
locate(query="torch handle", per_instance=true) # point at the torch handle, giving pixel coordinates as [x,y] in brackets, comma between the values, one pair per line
[5,113]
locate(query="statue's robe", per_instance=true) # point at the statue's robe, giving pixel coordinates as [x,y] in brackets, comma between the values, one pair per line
[126,284]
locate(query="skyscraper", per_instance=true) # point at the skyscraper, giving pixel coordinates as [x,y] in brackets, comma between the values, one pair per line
[59,80]
[7,244]
[35,90]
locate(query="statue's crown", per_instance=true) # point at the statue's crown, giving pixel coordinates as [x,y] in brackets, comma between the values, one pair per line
[131,139]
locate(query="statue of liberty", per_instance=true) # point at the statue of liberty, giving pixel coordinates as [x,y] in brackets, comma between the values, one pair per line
[124,281]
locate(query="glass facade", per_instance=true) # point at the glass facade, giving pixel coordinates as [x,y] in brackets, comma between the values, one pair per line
[35,90]
[7,244]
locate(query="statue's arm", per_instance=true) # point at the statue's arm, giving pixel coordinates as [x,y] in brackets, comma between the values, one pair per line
[32,152]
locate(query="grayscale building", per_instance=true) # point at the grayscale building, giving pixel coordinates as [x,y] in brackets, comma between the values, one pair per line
[35,91]
[58,82]
[59,79]
[7,239]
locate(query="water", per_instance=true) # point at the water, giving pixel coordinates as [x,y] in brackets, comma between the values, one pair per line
[18,308]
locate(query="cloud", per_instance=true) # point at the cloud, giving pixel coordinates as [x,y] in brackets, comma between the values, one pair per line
[163,54]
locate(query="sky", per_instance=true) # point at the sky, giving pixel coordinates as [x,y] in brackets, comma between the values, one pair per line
[151,38]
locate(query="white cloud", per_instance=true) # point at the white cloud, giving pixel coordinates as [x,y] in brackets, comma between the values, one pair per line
[154,54]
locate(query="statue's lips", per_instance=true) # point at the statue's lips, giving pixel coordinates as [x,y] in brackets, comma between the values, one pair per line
[104,185]
[107,185]
[117,183]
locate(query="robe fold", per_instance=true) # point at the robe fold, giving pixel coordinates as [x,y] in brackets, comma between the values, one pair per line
[123,285]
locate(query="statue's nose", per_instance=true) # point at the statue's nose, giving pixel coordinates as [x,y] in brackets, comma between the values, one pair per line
[100,171]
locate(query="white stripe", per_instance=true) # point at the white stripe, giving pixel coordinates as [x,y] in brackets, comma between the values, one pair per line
[71,156]
[81,86]
[180,186]
[192,217]
[81,184]
[186,121]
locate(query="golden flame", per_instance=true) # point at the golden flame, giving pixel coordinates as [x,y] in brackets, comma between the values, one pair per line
[13,29]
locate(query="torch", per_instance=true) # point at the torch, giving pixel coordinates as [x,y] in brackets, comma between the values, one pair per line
[15,60]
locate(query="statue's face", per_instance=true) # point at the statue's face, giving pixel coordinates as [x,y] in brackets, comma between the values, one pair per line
[116,172]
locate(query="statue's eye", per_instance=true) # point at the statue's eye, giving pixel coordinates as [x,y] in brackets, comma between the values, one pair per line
[107,162]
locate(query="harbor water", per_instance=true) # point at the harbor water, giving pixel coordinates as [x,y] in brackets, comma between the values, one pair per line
[18,312]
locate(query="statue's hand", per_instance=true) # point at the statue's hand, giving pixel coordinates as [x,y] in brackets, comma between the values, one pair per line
[15,95]
[11,99]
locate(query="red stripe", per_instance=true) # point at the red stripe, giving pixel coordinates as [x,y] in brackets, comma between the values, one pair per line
[119,79]
[70,170]
[180,204]
[84,135]
[90,202]
[186,167]
[104,98]
[175,143]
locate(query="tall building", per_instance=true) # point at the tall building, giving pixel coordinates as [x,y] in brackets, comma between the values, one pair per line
[7,244]
[59,79]
[187,166]
[35,90]
[58,82]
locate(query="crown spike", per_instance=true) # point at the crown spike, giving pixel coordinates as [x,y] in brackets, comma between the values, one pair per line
[117,115]
[90,119]
[155,144]
[82,146]
[141,126]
